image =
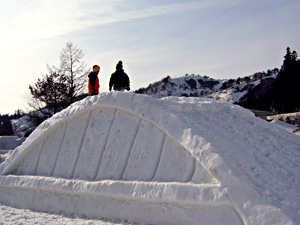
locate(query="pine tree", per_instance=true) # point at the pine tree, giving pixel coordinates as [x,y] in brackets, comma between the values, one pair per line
[286,91]
[287,59]
[50,91]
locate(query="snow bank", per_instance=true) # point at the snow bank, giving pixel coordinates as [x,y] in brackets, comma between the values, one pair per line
[7,145]
[22,126]
[15,216]
[10,142]
[168,161]
[291,118]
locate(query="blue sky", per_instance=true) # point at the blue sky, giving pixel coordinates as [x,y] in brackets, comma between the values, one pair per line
[219,38]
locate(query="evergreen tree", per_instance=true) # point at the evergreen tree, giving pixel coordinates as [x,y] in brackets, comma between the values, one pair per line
[5,123]
[294,56]
[287,59]
[286,89]
[51,92]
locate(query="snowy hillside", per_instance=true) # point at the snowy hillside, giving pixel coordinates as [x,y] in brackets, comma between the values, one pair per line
[232,91]
[189,85]
[124,156]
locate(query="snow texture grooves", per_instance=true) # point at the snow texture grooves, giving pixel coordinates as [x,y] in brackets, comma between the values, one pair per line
[122,135]
[136,151]
[80,144]
[58,152]
[50,151]
[159,161]
[70,146]
[161,151]
[30,162]
[131,145]
[190,174]
[145,155]
[38,159]
[105,144]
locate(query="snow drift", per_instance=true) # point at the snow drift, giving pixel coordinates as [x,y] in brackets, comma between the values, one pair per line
[10,142]
[169,161]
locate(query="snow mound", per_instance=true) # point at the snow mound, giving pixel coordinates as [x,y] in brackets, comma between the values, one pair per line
[168,161]
[10,142]
[7,145]
[22,126]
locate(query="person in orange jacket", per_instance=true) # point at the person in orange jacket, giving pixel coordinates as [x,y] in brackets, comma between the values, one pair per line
[94,81]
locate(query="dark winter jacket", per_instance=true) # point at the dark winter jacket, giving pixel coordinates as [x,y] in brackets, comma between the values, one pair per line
[93,83]
[119,79]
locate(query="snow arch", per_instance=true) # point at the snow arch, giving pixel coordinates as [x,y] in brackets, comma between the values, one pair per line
[170,161]
[109,143]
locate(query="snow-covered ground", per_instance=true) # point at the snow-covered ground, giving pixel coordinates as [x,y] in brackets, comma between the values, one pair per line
[290,118]
[7,145]
[289,127]
[15,216]
[175,160]
[10,142]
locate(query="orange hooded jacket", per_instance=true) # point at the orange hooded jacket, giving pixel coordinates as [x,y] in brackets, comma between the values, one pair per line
[94,81]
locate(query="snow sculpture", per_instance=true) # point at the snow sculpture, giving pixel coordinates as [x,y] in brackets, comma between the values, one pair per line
[110,143]
[133,157]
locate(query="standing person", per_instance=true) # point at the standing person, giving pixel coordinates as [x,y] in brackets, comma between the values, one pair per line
[119,79]
[94,81]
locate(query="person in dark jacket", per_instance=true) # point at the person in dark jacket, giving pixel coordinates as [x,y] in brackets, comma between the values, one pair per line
[94,81]
[119,80]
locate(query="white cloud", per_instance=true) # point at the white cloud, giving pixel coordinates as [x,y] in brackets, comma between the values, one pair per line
[38,19]
[116,14]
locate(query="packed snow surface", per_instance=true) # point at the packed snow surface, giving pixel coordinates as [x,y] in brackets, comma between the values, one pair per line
[7,145]
[10,142]
[175,160]
[11,216]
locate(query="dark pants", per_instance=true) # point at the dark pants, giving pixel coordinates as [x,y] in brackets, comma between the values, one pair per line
[119,89]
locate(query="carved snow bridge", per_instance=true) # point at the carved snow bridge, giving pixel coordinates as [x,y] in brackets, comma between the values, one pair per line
[117,156]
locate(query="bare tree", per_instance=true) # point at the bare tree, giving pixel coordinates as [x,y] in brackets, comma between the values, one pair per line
[74,69]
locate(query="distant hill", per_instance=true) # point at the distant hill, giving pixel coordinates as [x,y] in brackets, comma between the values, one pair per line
[243,91]
[276,90]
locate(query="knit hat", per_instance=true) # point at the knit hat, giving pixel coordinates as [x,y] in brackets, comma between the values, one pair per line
[96,68]
[119,65]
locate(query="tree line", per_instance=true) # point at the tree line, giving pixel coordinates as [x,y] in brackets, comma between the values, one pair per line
[5,122]
[281,95]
